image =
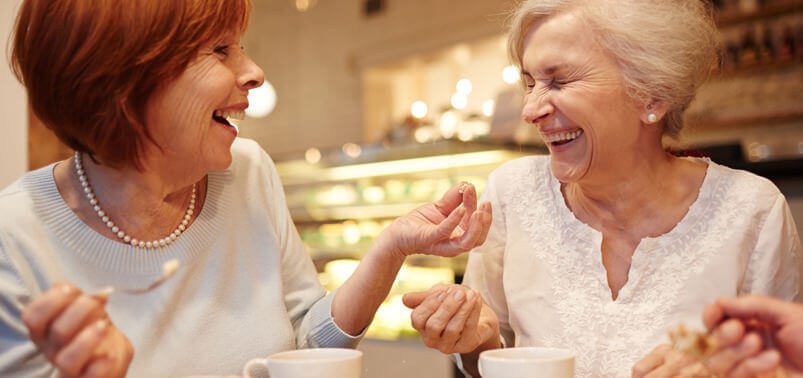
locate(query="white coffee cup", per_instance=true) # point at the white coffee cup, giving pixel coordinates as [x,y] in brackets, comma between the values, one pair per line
[527,362]
[307,363]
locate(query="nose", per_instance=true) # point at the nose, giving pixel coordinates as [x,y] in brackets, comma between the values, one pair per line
[537,109]
[251,76]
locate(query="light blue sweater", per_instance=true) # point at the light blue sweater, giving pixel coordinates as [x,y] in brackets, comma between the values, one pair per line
[246,287]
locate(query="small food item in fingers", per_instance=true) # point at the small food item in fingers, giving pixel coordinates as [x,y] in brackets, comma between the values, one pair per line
[694,343]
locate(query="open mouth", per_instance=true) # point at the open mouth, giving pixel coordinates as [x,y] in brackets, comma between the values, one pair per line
[560,139]
[229,118]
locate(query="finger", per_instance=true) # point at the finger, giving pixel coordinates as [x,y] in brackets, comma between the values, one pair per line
[99,368]
[39,314]
[436,323]
[413,299]
[763,363]
[695,370]
[117,349]
[768,310]
[486,218]
[465,242]
[651,362]
[82,311]
[452,300]
[455,326]
[72,358]
[453,198]
[469,202]
[468,239]
[444,229]
[712,315]
[466,344]
[729,333]
[421,314]
[448,226]
[478,229]
[674,361]
[725,360]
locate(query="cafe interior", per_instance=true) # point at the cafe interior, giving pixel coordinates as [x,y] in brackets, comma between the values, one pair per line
[371,108]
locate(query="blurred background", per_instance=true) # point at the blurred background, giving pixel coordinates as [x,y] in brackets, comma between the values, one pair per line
[372,107]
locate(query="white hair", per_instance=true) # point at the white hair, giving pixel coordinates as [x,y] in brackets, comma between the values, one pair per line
[665,48]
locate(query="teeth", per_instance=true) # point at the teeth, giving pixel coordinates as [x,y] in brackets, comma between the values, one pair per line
[562,137]
[231,115]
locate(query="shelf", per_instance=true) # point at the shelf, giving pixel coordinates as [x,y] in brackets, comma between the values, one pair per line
[353,212]
[402,160]
[736,16]
[758,69]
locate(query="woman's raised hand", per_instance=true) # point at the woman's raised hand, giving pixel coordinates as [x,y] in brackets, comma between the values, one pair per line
[452,319]
[75,334]
[443,227]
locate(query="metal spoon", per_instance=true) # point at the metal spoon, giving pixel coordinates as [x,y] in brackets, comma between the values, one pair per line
[168,269]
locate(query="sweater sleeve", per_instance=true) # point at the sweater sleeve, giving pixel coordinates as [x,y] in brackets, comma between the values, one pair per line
[19,357]
[775,262]
[308,305]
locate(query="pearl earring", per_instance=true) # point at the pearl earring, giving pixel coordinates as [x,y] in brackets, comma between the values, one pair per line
[652,118]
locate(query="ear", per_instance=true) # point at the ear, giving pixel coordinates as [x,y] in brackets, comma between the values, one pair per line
[653,112]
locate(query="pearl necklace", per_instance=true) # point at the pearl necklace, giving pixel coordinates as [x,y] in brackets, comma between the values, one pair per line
[122,235]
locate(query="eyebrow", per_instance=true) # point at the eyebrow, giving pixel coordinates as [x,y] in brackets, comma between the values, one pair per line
[551,69]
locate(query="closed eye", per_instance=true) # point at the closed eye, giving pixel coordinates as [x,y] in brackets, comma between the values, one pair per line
[222,50]
[556,83]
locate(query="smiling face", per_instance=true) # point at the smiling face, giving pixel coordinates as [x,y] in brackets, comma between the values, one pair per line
[576,99]
[188,116]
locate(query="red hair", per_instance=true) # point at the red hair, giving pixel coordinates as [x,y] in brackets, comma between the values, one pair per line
[90,66]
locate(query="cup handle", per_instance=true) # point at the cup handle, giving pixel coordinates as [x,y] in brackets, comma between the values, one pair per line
[256,368]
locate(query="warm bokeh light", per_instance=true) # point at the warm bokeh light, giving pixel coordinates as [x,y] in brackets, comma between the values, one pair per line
[464,87]
[352,150]
[448,124]
[423,135]
[511,74]
[261,101]
[305,5]
[312,155]
[419,109]
[488,108]
[351,233]
[459,101]
[373,194]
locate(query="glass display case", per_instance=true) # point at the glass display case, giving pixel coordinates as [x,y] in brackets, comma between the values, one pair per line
[341,201]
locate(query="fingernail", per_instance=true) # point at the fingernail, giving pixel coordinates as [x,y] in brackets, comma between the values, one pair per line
[104,293]
[750,341]
[442,295]
[769,358]
[101,324]
[458,296]
[66,289]
[470,295]
[462,188]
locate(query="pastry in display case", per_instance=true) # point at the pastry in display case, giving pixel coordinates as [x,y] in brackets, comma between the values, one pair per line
[340,203]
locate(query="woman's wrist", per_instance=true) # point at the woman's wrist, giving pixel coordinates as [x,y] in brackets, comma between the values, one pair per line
[385,246]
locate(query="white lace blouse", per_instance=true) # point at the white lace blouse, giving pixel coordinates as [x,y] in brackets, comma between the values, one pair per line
[541,269]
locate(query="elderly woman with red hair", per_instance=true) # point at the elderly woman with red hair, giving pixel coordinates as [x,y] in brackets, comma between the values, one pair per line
[146,93]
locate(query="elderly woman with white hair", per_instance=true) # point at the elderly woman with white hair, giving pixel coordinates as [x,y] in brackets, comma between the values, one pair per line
[610,241]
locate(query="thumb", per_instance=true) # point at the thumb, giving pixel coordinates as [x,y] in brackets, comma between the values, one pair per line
[764,309]
[412,300]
